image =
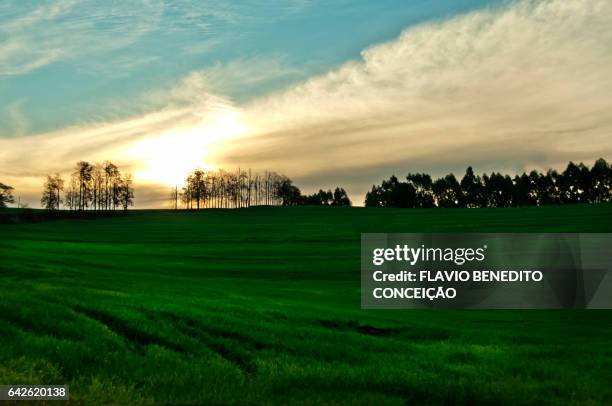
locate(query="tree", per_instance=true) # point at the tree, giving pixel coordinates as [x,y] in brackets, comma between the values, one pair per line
[126,192]
[92,187]
[447,191]
[111,177]
[198,187]
[548,189]
[472,190]
[524,191]
[320,198]
[393,193]
[499,190]
[174,198]
[573,183]
[600,186]
[98,183]
[289,193]
[341,198]
[6,195]
[576,184]
[71,197]
[83,175]
[51,197]
[422,184]
[374,198]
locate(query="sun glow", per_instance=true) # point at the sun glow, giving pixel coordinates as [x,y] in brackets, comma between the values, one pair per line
[169,157]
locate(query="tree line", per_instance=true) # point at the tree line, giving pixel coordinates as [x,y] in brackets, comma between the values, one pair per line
[97,187]
[576,184]
[245,188]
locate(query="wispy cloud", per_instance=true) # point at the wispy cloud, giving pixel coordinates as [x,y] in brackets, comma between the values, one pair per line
[70,29]
[525,85]
[520,86]
[239,77]
[45,32]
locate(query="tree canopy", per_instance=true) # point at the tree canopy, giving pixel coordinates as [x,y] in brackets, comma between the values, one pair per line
[245,188]
[576,184]
[98,187]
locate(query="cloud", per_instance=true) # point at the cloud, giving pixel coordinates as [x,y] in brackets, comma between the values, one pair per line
[510,88]
[239,77]
[522,86]
[70,29]
[50,31]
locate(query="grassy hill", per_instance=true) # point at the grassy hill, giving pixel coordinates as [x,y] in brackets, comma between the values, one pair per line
[262,306]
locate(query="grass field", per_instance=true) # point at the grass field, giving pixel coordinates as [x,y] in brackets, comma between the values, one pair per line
[262,306]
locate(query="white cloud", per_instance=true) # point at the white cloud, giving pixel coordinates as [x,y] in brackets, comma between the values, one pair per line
[527,84]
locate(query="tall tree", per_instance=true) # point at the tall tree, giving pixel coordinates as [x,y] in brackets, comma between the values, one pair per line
[111,173]
[447,191]
[288,193]
[422,184]
[524,191]
[499,190]
[51,197]
[600,182]
[126,192]
[472,190]
[83,173]
[6,195]
[573,183]
[341,198]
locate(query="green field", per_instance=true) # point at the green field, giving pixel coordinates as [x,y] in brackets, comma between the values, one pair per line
[262,306]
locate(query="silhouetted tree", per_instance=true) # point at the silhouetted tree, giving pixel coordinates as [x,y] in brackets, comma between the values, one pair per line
[341,198]
[289,193]
[6,195]
[576,184]
[96,187]
[51,197]
[83,175]
[375,197]
[472,190]
[423,186]
[573,183]
[499,190]
[111,180]
[126,192]
[600,187]
[320,198]
[525,191]
[447,191]
[244,188]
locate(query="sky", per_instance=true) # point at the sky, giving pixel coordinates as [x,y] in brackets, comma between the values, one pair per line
[326,92]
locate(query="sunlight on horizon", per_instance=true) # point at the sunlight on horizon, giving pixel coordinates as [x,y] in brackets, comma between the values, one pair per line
[169,157]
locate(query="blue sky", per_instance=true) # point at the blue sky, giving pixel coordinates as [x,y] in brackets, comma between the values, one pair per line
[83,61]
